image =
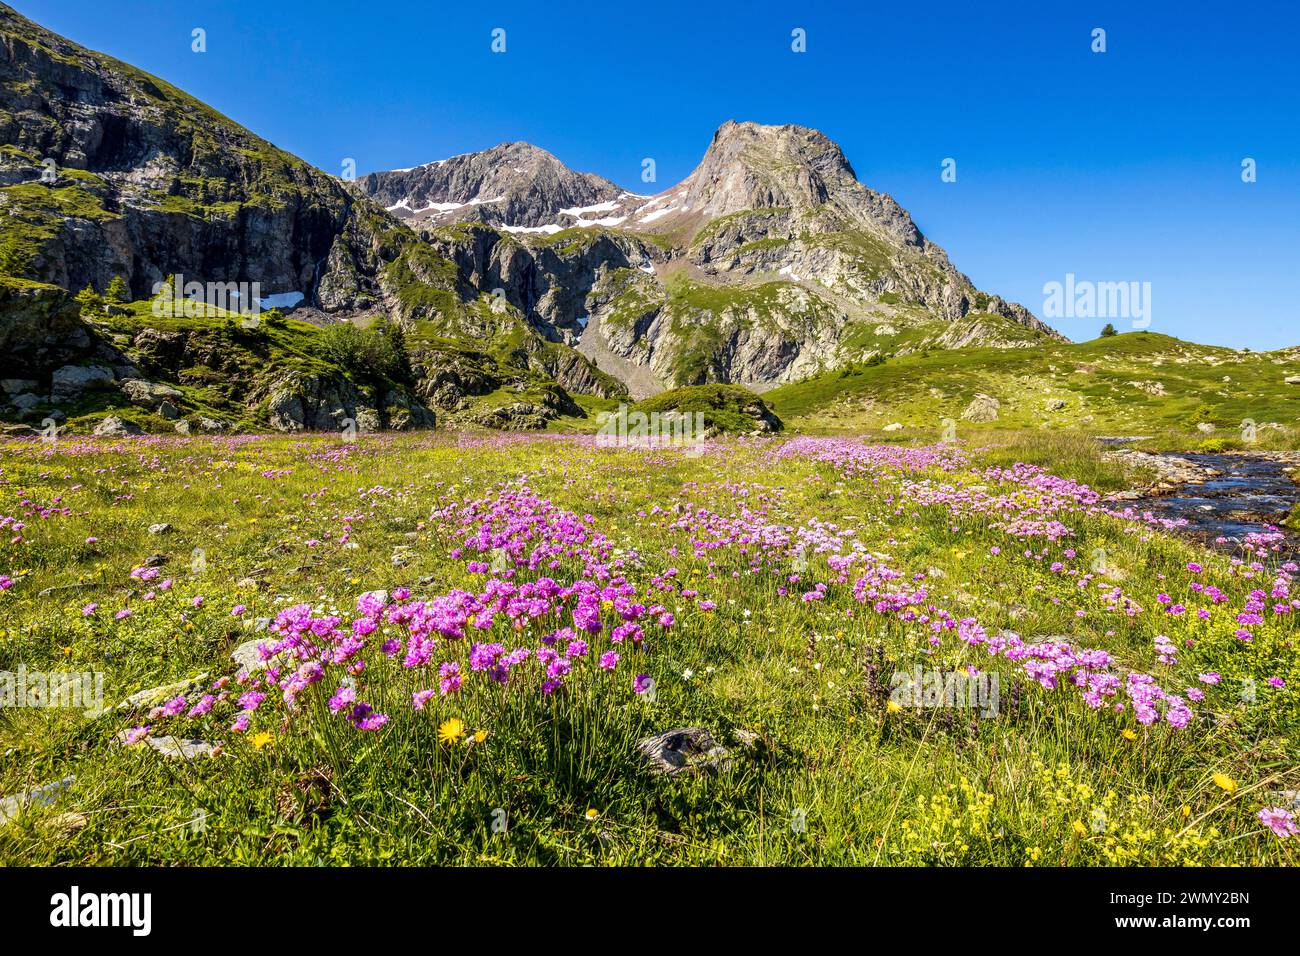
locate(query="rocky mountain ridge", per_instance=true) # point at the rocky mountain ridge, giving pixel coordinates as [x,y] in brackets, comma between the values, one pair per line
[515,186]
[769,262]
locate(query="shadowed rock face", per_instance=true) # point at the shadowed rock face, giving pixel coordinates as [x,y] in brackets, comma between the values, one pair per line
[39,328]
[142,180]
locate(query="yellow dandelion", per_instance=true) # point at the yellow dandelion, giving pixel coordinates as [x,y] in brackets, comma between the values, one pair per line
[261,740]
[480,736]
[1129,734]
[451,730]
[893,707]
[67,651]
[1224,782]
[593,813]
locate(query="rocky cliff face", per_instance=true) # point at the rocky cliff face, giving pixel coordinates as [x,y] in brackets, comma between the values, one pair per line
[549,281]
[783,201]
[114,172]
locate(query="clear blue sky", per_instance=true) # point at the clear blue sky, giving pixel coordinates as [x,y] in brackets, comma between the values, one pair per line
[1122,166]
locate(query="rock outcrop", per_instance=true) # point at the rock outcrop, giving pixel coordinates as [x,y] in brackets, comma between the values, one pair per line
[317,403]
[982,408]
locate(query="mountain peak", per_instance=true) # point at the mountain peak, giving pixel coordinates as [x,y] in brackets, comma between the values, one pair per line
[789,138]
[752,166]
[515,185]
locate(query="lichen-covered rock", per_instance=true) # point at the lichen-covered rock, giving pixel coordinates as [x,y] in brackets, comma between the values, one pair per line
[315,403]
[71,380]
[405,411]
[148,394]
[180,748]
[515,417]
[318,403]
[40,328]
[682,750]
[42,796]
[156,695]
[982,408]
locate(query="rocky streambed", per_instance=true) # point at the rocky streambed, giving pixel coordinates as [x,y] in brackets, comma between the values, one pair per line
[1222,497]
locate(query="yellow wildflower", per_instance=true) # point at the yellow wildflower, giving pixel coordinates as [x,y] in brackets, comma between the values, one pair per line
[451,730]
[1224,782]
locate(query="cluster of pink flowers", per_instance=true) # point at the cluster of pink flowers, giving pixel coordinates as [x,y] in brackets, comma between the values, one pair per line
[555,628]
[1032,507]
[519,529]
[854,459]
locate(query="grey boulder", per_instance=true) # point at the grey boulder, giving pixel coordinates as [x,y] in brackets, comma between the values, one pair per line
[115,427]
[682,750]
[71,380]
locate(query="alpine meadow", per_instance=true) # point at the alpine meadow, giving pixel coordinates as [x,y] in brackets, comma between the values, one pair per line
[490,513]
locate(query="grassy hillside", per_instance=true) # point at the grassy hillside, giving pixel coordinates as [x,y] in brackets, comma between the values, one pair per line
[1137,383]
